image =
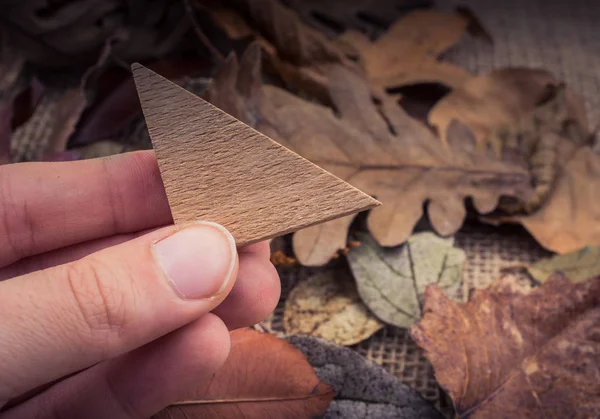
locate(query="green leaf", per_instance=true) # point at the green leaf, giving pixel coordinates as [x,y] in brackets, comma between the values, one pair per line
[391,281]
[577,266]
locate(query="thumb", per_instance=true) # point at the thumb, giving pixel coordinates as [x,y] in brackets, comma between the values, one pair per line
[64,319]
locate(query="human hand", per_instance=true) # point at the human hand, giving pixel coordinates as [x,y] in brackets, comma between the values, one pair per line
[91,289]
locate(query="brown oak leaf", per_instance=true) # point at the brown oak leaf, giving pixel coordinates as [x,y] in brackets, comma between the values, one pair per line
[409,51]
[386,154]
[512,352]
[263,377]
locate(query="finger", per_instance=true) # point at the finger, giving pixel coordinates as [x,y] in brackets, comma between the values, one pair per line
[255,294]
[46,206]
[261,249]
[138,384]
[65,255]
[253,297]
[110,302]
[81,250]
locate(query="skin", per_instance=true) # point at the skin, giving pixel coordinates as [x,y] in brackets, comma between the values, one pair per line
[84,304]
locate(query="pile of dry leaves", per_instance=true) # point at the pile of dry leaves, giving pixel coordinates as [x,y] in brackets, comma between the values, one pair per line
[361,89]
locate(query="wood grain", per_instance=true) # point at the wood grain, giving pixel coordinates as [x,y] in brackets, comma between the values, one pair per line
[216,168]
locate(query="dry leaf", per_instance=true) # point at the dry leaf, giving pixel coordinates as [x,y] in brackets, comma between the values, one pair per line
[516,353]
[298,54]
[263,377]
[295,42]
[577,266]
[367,16]
[278,258]
[527,117]
[71,105]
[394,158]
[328,306]
[499,99]
[409,51]
[64,34]
[391,282]
[570,218]
[364,390]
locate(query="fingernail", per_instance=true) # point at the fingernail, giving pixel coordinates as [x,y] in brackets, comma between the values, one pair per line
[198,259]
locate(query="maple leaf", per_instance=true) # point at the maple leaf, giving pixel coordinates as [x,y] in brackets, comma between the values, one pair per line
[392,282]
[386,154]
[511,352]
[263,376]
[327,306]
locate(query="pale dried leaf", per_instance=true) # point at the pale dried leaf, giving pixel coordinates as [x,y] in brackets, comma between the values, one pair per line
[391,282]
[576,266]
[263,377]
[512,352]
[328,306]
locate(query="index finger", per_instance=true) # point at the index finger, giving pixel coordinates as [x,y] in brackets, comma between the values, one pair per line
[46,206]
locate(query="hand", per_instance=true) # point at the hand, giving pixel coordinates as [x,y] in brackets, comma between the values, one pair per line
[90,289]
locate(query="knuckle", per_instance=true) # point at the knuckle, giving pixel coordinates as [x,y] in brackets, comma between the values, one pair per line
[99,300]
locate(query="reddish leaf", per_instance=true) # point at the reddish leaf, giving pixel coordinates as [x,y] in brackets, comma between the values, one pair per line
[517,353]
[264,377]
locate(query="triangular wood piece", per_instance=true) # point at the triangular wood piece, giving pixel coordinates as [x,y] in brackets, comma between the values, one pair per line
[216,168]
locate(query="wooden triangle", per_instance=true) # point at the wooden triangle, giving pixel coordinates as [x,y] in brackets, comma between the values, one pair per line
[216,168]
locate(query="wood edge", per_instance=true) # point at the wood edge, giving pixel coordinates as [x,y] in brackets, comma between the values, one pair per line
[371,205]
